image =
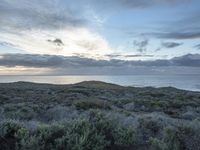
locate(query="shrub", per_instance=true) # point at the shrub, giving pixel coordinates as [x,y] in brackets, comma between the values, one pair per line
[124,136]
[96,133]
[89,104]
[178,138]
[44,138]
[157,144]
[149,127]
[84,135]
[22,137]
[8,130]
[117,135]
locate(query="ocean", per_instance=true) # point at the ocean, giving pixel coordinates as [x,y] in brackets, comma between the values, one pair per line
[186,82]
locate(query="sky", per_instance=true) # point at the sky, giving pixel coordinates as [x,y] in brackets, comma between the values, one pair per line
[61,37]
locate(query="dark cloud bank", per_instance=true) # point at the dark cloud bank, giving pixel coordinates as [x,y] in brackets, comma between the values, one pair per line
[76,65]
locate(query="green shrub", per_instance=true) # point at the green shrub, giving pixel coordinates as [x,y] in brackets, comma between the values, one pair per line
[115,134]
[9,128]
[178,138]
[96,133]
[124,136]
[153,127]
[170,141]
[85,135]
[22,136]
[8,131]
[44,138]
[157,144]
[91,104]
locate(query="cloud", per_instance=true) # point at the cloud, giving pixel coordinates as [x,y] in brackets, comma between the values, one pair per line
[158,49]
[65,27]
[54,61]
[56,14]
[55,27]
[30,60]
[57,42]
[171,44]
[132,4]
[187,60]
[62,65]
[177,35]
[7,44]
[125,56]
[48,14]
[197,46]
[183,28]
[140,45]
[69,41]
[88,45]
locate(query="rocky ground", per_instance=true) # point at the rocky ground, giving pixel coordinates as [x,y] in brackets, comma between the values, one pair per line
[97,115]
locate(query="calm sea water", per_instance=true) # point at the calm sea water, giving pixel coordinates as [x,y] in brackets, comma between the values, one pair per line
[187,82]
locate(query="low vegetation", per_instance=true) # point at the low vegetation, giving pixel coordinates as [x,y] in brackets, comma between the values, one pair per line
[97,116]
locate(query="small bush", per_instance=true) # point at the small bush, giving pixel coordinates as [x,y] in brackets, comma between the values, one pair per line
[118,136]
[124,136]
[89,104]
[8,131]
[84,135]
[44,138]
[157,144]
[181,137]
